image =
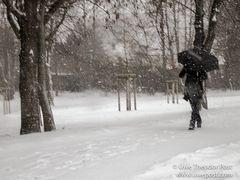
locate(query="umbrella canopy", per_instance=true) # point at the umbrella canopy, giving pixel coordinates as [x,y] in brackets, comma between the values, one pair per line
[197,59]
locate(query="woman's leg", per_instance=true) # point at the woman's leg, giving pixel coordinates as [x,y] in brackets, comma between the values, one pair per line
[195,116]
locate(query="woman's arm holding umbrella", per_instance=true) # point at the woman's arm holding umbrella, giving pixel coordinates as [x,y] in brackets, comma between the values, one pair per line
[203,75]
[182,73]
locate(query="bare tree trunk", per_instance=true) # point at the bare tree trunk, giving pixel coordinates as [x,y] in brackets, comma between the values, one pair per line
[212,25]
[28,72]
[190,35]
[8,60]
[175,18]
[200,40]
[199,25]
[170,40]
[185,27]
[49,83]
[48,120]
[24,18]
[162,33]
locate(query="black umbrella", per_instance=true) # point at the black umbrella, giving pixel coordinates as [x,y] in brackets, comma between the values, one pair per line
[197,59]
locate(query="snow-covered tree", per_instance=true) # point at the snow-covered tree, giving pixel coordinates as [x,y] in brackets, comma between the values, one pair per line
[28,20]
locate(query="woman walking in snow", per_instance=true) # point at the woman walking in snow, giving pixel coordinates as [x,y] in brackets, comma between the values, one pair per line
[193,92]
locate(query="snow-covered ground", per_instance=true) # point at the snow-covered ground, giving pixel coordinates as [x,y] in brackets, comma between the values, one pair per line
[94,141]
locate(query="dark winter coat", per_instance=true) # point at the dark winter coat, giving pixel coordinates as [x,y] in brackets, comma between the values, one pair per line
[193,83]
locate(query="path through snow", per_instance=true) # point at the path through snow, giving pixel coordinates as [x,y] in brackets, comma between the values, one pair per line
[95,142]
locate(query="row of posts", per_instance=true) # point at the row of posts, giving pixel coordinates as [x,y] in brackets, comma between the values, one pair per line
[130,81]
[6,100]
[172,89]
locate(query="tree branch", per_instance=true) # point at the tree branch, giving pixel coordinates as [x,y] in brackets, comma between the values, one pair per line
[96,4]
[190,9]
[53,32]
[212,24]
[227,10]
[11,8]
[13,23]
[53,8]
